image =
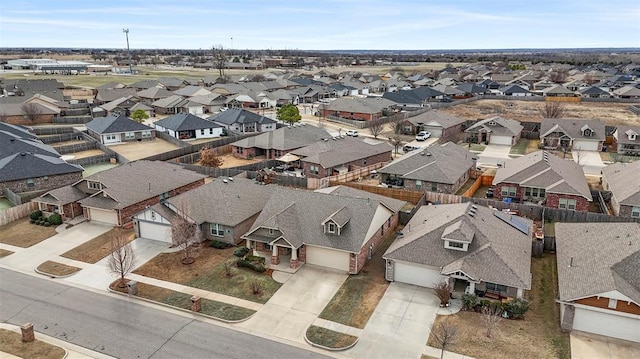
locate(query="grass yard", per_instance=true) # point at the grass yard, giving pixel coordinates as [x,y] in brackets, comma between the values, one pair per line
[57,269]
[538,336]
[11,342]
[524,147]
[23,234]
[4,252]
[329,338]
[359,295]
[208,273]
[182,300]
[93,169]
[5,203]
[97,248]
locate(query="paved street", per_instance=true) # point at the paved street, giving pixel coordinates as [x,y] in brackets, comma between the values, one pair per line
[123,328]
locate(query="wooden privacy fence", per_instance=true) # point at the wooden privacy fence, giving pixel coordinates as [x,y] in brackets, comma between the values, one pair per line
[474,187]
[15,213]
[562,99]
[413,197]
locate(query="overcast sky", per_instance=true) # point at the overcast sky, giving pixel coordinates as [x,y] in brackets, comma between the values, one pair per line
[321,25]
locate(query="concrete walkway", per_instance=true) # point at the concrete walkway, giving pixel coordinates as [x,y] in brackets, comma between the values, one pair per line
[494,155]
[587,345]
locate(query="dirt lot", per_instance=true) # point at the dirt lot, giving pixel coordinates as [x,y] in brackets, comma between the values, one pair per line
[229,161]
[137,150]
[87,153]
[611,113]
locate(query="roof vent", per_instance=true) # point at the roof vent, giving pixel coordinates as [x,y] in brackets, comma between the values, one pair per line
[23,153]
[474,206]
[231,179]
[225,181]
[471,214]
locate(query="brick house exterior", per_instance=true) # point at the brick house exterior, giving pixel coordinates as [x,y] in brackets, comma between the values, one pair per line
[352,165]
[552,200]
[357,261]
[25,121]
[412,185]
[231,234]
[353,115]
[44,183]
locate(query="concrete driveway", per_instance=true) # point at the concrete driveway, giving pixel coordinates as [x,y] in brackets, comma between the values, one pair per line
[590,161]
[587,346]
[400,325]
[297,303]
[494,154]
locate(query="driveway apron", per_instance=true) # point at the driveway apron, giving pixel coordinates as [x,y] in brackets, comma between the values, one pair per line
[494,154]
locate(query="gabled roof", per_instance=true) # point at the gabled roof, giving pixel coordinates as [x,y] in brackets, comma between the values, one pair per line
[154,93]
[285,138]
[545,170]
[62,195]
[210,99]
[403,97]
[298,215]
[624,182]
[435,118]
[498,126]
[623,131]
[513,89]
[28,165]
[332,153]
[573,128]
[115,123]
[145,84]
[185,122]
[595,258]
[395,205]
[360,105]
[445,163]
[224,201]
[17,130]
[471,88]
[11,144]
[593,90]
[170,102]
[425,93]
[191,90]
[123,102]
[499,252]
[236,115]
[557,90]
[136,181]
[108,95]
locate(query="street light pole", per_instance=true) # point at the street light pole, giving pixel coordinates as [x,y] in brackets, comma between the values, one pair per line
[126,33]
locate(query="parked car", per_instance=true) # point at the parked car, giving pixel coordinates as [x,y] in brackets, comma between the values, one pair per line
[409,148]
[423,135]
[352,133]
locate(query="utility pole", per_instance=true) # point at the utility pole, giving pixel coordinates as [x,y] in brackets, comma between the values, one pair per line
[126,33]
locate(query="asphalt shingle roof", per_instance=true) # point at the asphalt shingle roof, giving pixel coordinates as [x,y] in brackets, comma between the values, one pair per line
[332,153]
[236,115]
[503,126]
[185,122]
[623,180]
[28,165]
[115,124]
[393,204]
[436,118]
[11,144]
[285,138]
[573,128]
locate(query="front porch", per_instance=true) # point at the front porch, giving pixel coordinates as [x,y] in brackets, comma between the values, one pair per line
[485,290]
[280,257]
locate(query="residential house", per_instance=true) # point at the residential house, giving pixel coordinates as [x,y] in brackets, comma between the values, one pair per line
[623,181]
[192,91]
[558,91]
[495,131]
[224,209]
[341,155]
[594,92]
[275,144]
[542,177]
[177,104]
[121,106]
[17,130]
[437,168]
[587,135]
[363,109]
[627,92]
[439,124]
[471,89]
[105,95]
[598,281]
[153,94]
[243,121]
[117,129]
[185,126]
[514,90]
[211,103]
[626,140]
[113,196]
[404,99]
[476,249]
[335,231]
[34,110]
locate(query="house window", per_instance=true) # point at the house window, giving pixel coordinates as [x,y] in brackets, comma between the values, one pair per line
[313,169]
[534,192]
[434,187]
[93,185]
[587,132]
[146,134]
[494,286]
[613,303]
[239,150]
[153,215]
[164,196]
[382,230]
[389,222]
[453,244]
[632,137]
[129,136]
[110,137]
[492,123]
[635,211]
[202,131]
[331,227]
[266,246]
[30,182]
[271,231]
[211,131]
[508,191]
[418,184]
[217,230]
[566,203]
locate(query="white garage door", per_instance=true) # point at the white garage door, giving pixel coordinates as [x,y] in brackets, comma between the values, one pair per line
[607,324]
[102,215]
[586,145]
[328,258]
[156,231]
[500,140]
[435,131]
[410,274]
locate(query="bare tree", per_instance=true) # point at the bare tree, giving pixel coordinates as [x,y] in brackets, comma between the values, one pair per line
[209,157]
[122,259]
[31,111]
[579,155]
[376,128]
[396,142]
[553,109]
[444,334]
[443,291]
[219,59]
[396,126]
[558,76]
[491,316]
[185,235]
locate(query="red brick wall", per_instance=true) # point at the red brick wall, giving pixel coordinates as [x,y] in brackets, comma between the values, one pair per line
[554,199]
[20,120]
[42,184]
[324,172]
[356,265]
[246,152]
[72,210]
[126,213]
[354,116]
[497,192]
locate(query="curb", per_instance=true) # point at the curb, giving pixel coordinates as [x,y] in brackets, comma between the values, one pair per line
[182,309]
[39,337]
[328,348]
[53,275]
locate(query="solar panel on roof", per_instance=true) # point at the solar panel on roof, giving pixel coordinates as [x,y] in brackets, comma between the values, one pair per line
[514,221]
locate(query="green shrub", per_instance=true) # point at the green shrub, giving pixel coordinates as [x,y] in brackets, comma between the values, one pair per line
[42,218]
[32,221]
[219,244]
[35,215]
[517,308]
[55,219]
[241,252]
[469,301]
[47,224]
[257,267]
[255,259]
[485,302]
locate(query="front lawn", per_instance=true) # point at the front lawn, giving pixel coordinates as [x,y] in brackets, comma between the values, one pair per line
[11,342]
[359,295]
[537,336]
[329,338]
[23,234]
[208,273]
[4,252]
[57,269]
[97,248]
[520,148]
